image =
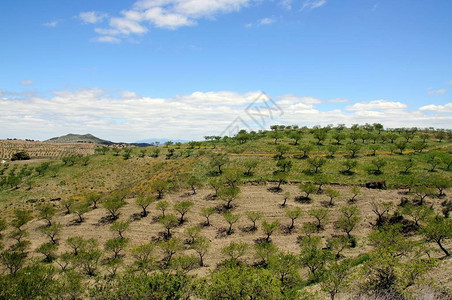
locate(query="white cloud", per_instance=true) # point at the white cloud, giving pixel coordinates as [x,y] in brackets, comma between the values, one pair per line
[436,92]
[376,104]
[438,108]
[51,24]
[127,116]
[312,4]
[286,4]
[92,17]
[339,100]
[26,82]
[107,39]
[170,14]
[266,21]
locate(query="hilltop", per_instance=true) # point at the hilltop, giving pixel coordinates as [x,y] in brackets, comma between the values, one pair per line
[79,138]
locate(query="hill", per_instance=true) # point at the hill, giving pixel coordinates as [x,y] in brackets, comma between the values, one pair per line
[79,138]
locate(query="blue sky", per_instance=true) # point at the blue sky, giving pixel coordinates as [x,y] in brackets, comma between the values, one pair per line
[130,70]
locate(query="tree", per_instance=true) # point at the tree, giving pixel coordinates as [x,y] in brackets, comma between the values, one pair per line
[308,188]
[77,244]
[332,149]
[336,244]
[335,278]
[285,165]
[321,215]
[416,212]
[206,212]
[169,249]
[281,151]
[353,150]
[350,217]
[127,153]
[201,246]
[194,182]
[285,197]
[228,194]
[160,186]
[113,204]
[349,165]
[80,208]
[433,160]
[218,161]
[355,192]
[437,230]
[120,227]
[269,228]
[264,251]
[314,257]
[13,260]
[231,219]
[250,165]
[305,149]
[293,214]
[216,184]
[378,163]
[42,168]
[401,146]
[21,155]
[163,206]
[441,183]
[193,233]
[316,164]
[183,208]
[143,255]
[48,250]
[94,199]
[46,212]
[422,191]
[275,135]
[52,231]
[338,136]
[381,209]
[21,217]
[242,282]
[234,251]
[285,267]
[407,165]
[253,216]
[116,245]
[296,136]
[320,135]
[447,160]
[168,222]
[67,203]
[88,257]
[144,202]
[332,194]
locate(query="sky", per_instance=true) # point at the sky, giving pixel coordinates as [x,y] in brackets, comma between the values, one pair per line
[183,69]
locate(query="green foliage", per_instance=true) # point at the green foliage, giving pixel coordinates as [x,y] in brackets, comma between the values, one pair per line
[269,228]
[113,204]
[168,221]
[437,230]
[231,219]
[242,283]
[144,202]
[183,208]
[120,227]
[116,245]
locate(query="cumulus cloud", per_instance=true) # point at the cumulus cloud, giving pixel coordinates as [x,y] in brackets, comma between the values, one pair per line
[169,14]
[376,104]
[436,92]
[438,108]
[26,82]
[128,116]
[92,17]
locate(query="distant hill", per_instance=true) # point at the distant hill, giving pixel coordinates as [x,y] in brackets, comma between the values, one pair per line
[79,138]
[161,141]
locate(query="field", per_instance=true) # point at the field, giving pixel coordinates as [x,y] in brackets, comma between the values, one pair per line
[43,149]
[388,244]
